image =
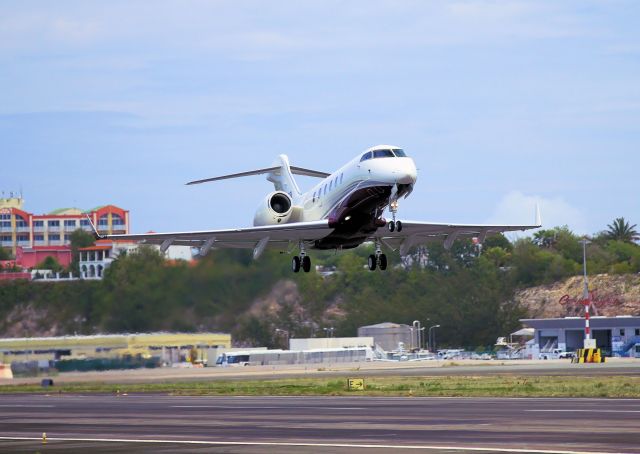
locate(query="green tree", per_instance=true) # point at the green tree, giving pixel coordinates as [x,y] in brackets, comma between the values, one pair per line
[497,240]
[621,230]
[5,254]
[545,238]
[79,239]
[49,263]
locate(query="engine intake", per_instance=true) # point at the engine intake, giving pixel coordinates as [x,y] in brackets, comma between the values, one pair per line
[280,202]
[275,209]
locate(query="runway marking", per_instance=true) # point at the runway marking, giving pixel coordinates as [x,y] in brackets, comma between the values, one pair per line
[26,406]
[584,410]
[311,445]
[238,407]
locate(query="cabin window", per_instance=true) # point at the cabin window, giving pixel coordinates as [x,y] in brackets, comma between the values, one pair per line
[383,154]
[365,156]
[314,196]
[341,176]
[330,185]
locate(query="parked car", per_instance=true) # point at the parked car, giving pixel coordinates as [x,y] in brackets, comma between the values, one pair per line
[556,353]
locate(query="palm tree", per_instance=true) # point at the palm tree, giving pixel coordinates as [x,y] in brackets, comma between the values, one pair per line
[545,238]
[620,230]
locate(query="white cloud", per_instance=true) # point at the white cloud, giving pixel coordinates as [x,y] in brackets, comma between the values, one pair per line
[518,208]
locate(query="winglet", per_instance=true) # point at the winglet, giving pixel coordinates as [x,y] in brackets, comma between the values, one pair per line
[96,235]
[538,217]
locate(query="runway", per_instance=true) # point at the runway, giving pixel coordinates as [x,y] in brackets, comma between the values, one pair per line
[161,423]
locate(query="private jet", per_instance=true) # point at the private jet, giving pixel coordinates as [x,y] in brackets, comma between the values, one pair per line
[343,210]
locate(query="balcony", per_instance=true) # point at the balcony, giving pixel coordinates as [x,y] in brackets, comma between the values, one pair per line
[38,228]
[24,228]
[70,228]
[39,243]
[6,243]
[54,228]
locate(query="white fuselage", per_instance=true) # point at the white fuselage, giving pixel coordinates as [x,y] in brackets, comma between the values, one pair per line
[325,196]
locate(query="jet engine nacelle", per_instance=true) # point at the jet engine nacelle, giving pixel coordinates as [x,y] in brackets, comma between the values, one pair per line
[275,209]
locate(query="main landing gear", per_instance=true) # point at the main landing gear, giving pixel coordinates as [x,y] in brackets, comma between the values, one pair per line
[303,261]
[377,260]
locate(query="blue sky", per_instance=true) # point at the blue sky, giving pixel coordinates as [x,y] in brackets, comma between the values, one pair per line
[501,104]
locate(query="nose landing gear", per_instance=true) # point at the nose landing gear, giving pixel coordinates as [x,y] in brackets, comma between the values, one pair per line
[393,207]
[377,260]
[395,225]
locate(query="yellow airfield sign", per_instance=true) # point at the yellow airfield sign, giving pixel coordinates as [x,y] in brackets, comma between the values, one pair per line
[355,384]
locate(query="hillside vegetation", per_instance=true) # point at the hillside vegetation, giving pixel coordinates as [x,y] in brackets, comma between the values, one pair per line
[474,296]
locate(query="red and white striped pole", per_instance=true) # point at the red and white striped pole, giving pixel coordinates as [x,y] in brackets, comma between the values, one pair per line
[588,341]
[587,328]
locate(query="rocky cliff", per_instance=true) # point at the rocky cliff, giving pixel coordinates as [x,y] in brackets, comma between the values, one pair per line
[611,295]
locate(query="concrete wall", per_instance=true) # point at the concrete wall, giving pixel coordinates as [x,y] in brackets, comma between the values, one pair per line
[330,342]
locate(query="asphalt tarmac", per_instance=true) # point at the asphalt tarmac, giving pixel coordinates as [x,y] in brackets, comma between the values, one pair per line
[161,423]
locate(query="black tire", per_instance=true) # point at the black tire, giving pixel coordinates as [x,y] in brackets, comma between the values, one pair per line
[295,264]
[399,226]
[306,263]
[391,226]
[372,262]
[382,262]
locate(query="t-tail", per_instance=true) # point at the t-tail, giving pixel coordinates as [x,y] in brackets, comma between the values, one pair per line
[280,174]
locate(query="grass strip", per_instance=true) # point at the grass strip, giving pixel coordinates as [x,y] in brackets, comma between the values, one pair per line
[450,386]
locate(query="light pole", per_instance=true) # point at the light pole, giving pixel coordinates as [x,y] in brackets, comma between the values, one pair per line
[329,331]
[416,329]
[432,346]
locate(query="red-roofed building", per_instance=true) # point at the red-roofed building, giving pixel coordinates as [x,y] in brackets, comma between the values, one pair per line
[95,259]
[40,232]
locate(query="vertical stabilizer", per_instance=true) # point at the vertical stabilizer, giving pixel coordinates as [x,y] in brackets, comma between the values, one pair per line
[282,178]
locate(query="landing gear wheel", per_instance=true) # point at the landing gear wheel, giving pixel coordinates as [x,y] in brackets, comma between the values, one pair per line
[372,262]
[382,262]
[295,264]
[399,226]
[306,263]
[392,226]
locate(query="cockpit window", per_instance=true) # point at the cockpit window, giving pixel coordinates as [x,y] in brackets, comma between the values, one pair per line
[383,154]
[365,156]
[399,152]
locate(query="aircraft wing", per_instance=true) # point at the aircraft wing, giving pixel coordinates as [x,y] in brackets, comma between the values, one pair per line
[414,233]
[256,238]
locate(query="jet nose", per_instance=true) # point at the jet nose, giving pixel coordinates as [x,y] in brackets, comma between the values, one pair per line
[406,173]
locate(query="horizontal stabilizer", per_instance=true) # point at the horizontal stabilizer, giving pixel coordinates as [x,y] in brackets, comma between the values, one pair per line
[295,170]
